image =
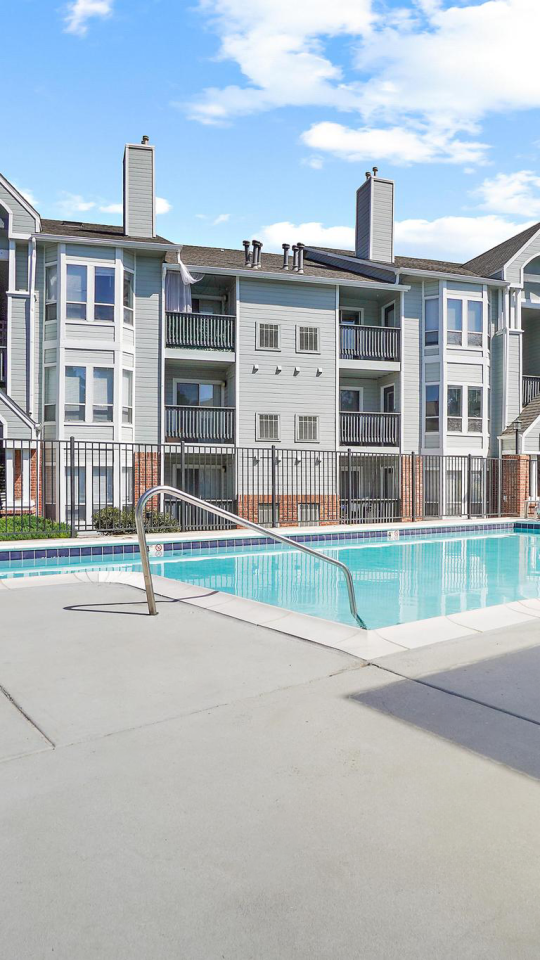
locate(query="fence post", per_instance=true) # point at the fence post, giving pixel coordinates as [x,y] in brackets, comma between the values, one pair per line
[413,486]
[72,484]
[274,502]
[469,474]
[183,478]
[499,488]
[349,484]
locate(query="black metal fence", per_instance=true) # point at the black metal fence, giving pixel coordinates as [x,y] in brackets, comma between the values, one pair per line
[50,488]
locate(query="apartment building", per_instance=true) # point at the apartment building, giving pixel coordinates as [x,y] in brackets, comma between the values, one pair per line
[113,334]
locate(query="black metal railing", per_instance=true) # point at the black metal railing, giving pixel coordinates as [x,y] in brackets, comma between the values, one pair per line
[369,429]
[200,331]
[56,488]
[531,389]
[369,343]
[200,424]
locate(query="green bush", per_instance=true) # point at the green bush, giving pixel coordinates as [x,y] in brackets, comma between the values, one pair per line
[113,520]
[28,527]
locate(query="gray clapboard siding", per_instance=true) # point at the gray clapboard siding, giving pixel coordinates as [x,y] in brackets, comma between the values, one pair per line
[513,377]
[473,443]
[433,372]
[23,222]
[128,360]
[363,217]
[19,349]
[51,252]
[49,356]
[21,266]
[129,259]
[147,339]
[465,373]
[51,330]
[531,249]
[11,424]
[382,240]
[89,331]
[497,391]
[531,441]
[494,309]
[464,288]
[267,391]
[204,373]
[78,250]
[128,336]
[89,431]
[97,357]
[412,332]
[354,300]
[431,288]
[432,441]
[139,190]
[531,347]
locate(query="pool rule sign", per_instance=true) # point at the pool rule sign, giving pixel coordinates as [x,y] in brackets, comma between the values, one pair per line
[155,550]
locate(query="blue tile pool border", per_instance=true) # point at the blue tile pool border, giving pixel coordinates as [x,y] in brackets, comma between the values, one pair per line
[118,550]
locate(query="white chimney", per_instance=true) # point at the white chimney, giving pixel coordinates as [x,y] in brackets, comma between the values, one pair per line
[139,190]
[375,219]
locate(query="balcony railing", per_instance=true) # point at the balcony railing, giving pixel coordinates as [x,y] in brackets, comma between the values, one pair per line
[200,331]
[200,424]
[531,389]
[3,367]
[369,343]
[369,429]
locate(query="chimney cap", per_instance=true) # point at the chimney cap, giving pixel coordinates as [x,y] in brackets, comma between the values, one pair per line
[145,139]
[368,175]
[375,171]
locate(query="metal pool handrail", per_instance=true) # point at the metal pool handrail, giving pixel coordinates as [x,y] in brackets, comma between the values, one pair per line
[241,521]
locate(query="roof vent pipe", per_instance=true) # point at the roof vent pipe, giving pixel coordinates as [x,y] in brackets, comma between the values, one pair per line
[286,248]
[246,245]
[257,247]
[375,171]
[368,175]
[300,258]
[295,258]
[145,139]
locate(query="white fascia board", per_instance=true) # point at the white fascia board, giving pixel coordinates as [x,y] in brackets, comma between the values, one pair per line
[288,275]
[105,242]
[517,253]
[435,275]
[22,200]
[18,411]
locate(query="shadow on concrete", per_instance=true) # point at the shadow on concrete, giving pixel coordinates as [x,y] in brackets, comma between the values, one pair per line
[491,707]
[106,607]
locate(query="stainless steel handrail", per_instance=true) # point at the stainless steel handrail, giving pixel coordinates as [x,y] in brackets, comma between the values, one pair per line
[242,522]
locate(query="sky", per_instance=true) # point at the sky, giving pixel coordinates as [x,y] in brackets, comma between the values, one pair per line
[265,115]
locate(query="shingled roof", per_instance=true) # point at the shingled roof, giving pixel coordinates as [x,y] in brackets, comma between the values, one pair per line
[413,263]
[495,259]
[93,231]
[528,415]
[270,263]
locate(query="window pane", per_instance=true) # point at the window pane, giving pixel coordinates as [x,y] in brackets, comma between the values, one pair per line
[308,339]
[103,385]
[307,428]
[127,386]
[388,400]
[475,402]
[454,401]
[269,336]
[432,321]
[349,316]
[76,283]
[75,384]
[454,309]
[432,400]
[187,394]
[268,426]
[104,285]
[209,395]
[51,283]
[390,315]
[349,400]
[475,309]
[128,289]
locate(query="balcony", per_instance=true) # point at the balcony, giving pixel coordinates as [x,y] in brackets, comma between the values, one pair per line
[200,331]
[369,429]
[369,343]
[199,424]
[531,389]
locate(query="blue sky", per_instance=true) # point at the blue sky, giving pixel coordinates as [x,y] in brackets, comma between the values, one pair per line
[266,113]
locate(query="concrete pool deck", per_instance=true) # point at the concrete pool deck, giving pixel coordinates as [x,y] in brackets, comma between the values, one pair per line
[193,786]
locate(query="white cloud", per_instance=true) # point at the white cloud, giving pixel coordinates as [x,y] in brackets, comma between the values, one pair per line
[74,203]
[316,163]
[162,205]
[279,50]
[397,144]
[445,238]
[112,208]
[28,195]
[514,193]
[79,12]
[221,218]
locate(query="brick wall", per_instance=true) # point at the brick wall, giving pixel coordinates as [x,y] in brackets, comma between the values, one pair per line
[515,484]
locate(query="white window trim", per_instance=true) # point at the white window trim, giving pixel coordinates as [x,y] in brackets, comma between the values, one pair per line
[127,423]
[454,386]
[52,366]
[430,346]
[310,327]
[313,416]
[258,325]
[213,383]
[258,431]
[465,410]
[89,401]
[359,390]
[90,293]
[359,310]
[427,432]
[465,299]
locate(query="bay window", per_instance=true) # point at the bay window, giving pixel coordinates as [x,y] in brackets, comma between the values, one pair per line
[475,309]
[454,409]
[104,293]
[90,293]
[76,291]
[454,322]
[103,394]
[75,386]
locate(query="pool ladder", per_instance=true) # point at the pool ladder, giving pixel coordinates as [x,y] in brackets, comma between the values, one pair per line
[239,521]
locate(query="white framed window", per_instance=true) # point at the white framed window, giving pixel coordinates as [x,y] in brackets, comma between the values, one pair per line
[127,396]
[103,398]
[128,296]
[388,315]
[351,316]
[51,292]
[192,393]
[268,426]
[474,409]
[75,394]
[465,322]
[49,391]
[90,292]
[307,428]
[308,513]
[431,322]
[76,291]
[454,322]
[268,336]
[351,399]
[307,339]
[475,322]
[432,408]
[454,409]
[388,398]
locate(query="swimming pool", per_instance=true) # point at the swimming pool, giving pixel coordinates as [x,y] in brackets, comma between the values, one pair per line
[410,579]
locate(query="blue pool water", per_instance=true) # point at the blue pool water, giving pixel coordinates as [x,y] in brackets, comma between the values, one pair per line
[395,582]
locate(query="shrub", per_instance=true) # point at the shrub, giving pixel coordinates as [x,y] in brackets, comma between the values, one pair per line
[29,527]
[114,520]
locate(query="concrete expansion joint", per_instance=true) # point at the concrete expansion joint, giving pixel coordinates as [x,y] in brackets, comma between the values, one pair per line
[26,716]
